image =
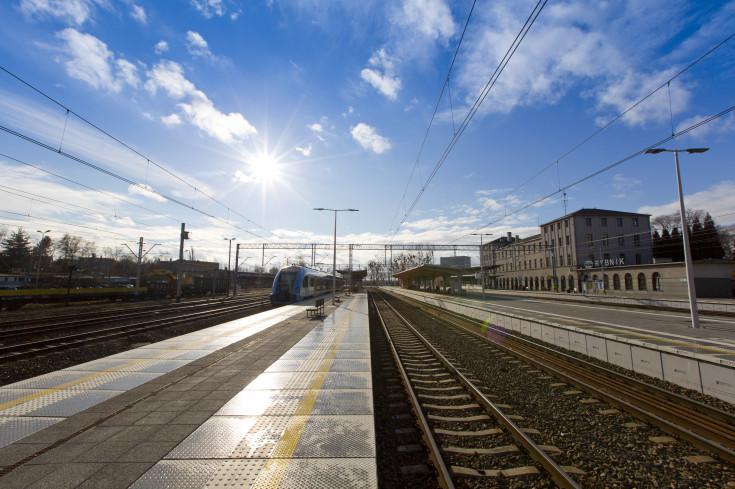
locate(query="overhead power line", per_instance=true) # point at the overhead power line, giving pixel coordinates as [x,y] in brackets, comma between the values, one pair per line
[481,97]
[148,160]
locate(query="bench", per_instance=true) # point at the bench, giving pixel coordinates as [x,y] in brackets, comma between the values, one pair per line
[317,310]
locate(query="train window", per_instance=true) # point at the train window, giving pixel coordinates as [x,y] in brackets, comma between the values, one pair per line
[305,282]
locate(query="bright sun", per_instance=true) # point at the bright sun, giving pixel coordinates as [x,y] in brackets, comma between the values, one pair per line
[264,169]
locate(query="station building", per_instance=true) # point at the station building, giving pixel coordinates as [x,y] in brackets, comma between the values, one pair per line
[597,251]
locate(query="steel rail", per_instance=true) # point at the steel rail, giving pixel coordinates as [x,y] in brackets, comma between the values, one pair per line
[69,323]
[444,476]
[15,352]
[624,395]
[558,475]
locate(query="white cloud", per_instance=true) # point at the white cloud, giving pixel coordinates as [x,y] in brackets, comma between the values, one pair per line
[197,109]
[87,58]
[369,138]
[171,120]
[74,12]
[718,199]
[161,47]
[138,13]
[145,191]
[724,126]
[210,8]
[384,81]
[577,45]
[196,45]
[316,127]
[306,150]
[241,176]
[432,18]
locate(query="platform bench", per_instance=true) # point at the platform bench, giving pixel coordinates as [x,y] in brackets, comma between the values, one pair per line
[317,310]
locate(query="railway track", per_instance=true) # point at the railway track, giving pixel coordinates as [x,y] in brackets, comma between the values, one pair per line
[465,432]
[705,426]
[14,343]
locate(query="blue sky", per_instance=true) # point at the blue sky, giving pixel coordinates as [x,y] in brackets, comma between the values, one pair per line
[242,116]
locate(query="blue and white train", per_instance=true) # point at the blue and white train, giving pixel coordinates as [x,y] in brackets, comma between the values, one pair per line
[295,284]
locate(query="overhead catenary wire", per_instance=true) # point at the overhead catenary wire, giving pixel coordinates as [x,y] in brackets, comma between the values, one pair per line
[148,160]
[124,179]
[481,97]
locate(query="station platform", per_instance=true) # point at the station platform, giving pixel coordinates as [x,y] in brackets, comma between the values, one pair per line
[271,400]
[663,346]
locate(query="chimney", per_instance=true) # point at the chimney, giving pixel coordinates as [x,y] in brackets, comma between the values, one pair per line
[510,235]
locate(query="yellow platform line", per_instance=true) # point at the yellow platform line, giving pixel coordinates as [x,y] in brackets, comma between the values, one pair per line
[272,474]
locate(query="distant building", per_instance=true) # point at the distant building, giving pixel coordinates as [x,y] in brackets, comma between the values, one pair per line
[455,261]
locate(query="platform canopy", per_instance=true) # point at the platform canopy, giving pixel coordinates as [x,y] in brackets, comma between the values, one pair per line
[429,273]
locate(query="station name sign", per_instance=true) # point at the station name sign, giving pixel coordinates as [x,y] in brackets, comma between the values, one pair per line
[614,262]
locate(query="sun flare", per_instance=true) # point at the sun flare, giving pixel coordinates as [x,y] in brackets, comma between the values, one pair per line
[264,169]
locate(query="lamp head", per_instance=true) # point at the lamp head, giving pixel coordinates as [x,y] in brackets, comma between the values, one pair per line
[654,151]
[697,150]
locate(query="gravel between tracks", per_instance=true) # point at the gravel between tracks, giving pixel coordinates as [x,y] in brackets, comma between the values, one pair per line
[612,453]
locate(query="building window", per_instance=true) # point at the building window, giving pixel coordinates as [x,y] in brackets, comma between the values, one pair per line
[561,260]
[628,281]
[636,239]
[635,222]
[621,240]
[566,223]
[558,225]
[547,262]
[638,260]
[604,240]
[569,259]
[588,221]
[559,240]
[656,280]
[641,281]
[589,239]
[616,282]
[567,240]
[603,221]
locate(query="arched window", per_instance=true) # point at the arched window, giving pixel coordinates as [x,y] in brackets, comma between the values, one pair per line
[616,282]
[628,281]
[605,282]
[571,282]
[656,281]
[641,281]
[563,283]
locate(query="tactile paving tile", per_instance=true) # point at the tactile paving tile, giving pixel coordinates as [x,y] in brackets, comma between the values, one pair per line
[285,366]
[355,473]
[48,381]
[39,402]
[297,354]
[350,366]
[117,381]
[8,394]
[14,428]
[217,437]
[352,354]
[237,473]
[76,403]
[270,380]
[348,380]
[262,437]
[337,436]
[98,365]
[348,401]
[262,403]
[179,474]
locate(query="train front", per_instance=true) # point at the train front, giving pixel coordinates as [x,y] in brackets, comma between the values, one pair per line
[283,286]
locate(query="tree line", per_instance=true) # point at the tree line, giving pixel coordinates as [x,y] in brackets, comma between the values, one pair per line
[706,239]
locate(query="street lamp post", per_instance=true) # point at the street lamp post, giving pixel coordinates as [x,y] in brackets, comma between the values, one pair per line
[334,260]
[684,230]
[40,244]
[482,268]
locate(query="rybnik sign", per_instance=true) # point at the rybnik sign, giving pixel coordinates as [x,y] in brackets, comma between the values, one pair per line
[616,262]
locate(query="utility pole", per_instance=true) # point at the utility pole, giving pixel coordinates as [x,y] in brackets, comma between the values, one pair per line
[139,256]
[237,258]
[184,235]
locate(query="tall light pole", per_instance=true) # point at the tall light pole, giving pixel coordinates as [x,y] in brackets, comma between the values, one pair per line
[229,258]
[334,260]
[40,244]
[482,268]
[685,230]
